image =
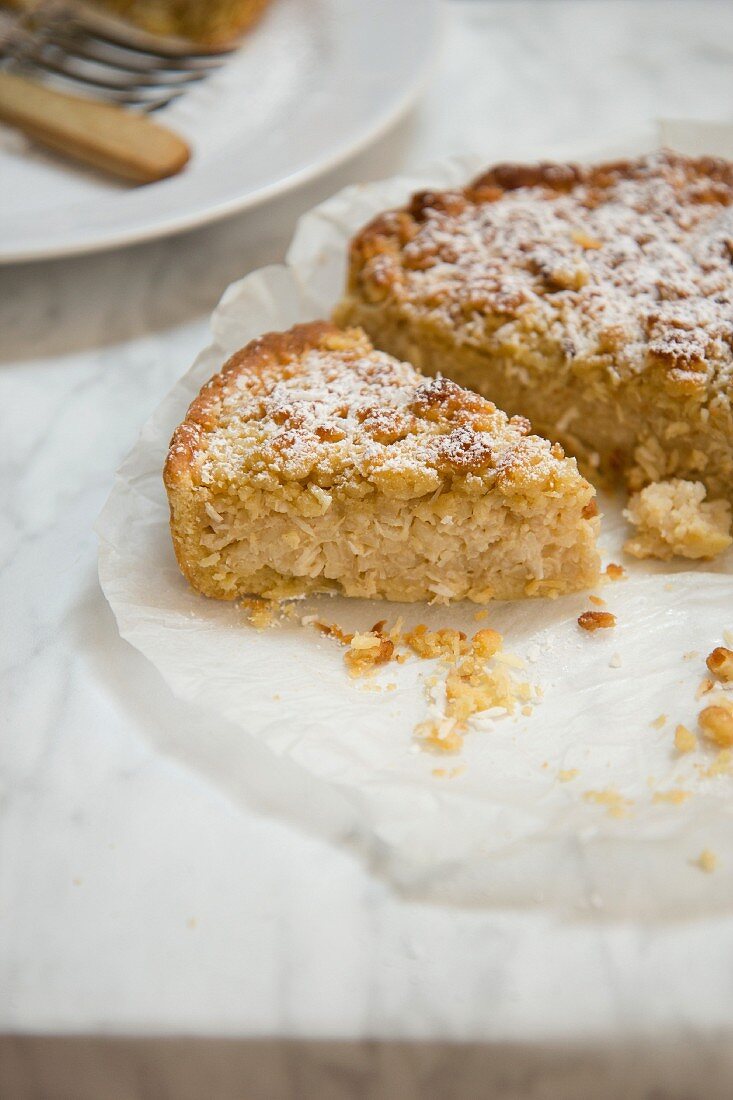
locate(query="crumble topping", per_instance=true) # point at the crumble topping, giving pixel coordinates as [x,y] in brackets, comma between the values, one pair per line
[716,723]
[720,663]
[478,680]
[260,613]
[332,630]
[447,643]
[366,651]
[641,249]
[673,518]
[323,404]
[596,620]
[684,739]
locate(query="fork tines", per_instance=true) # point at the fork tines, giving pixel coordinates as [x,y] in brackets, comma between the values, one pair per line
[110,60]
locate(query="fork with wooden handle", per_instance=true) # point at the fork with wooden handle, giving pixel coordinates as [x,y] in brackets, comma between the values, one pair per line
[120,142]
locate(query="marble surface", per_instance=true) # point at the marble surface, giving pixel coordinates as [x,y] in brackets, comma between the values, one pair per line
[138,898]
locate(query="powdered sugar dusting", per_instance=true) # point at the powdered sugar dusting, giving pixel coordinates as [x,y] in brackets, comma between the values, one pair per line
[630,262]
[341,408]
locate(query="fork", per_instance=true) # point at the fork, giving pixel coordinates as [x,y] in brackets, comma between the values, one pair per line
[74,45]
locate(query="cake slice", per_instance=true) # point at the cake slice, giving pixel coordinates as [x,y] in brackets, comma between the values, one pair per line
[597,301]
[314,463]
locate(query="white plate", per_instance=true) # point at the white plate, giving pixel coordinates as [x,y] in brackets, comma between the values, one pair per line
[316,81]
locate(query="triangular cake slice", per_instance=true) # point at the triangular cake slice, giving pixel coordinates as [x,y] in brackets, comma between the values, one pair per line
[313,462]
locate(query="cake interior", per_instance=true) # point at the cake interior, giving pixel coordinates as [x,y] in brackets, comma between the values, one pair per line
[443,546]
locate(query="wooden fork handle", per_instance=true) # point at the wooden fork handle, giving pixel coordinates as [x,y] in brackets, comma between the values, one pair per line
[121,142]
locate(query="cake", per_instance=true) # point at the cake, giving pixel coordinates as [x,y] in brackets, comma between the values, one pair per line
[209,23]
[313,462]
[673,519]
[597,301]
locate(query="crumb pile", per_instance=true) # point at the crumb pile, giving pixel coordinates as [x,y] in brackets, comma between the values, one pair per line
[673,518]
[478,676]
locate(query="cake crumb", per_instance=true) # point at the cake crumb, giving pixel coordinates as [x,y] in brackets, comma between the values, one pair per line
[260,612]
[447,642]
[704,687]
[439,735]
[672,520]
[675,796]
[486,643]
[596,620]
[367,651]
[479,616]
[716,723]
[331,630]
[684,739]
[720,663]
[612,799]
[472,688]
[659,721]
[449,773]
[566,774]
[614,571]
[707,861]
[597,600]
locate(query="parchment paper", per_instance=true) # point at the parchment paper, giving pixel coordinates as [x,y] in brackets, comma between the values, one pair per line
[505,829]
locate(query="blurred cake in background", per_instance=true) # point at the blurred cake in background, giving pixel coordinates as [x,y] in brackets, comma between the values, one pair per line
[206,22]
